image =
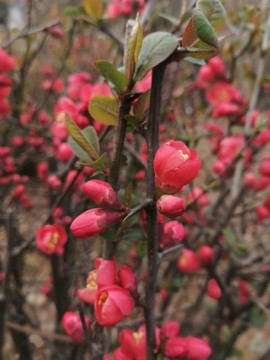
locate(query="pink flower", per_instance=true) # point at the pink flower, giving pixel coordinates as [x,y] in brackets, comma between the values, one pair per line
[72,324]
[222,92]
[175,166]
[112,304]
[93,222]
[197,349]
[213,289]
[102,194]
[206,74]
[169,330]
[64,152]
[51,239]
[217,65]
[171,206]
[176,347]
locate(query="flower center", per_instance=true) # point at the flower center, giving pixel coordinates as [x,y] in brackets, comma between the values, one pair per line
[102,298]
[137,336]
[53,241]
[185,156]
[91,281]
[60,118]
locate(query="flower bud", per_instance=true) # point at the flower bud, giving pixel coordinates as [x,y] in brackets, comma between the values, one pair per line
[170,330]
[93,222]
[171,206]
[206,254]
[188,261]
[73,325]
[102,194]
[173,232]
[213,289]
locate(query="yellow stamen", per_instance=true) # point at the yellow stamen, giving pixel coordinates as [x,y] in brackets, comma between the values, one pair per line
[137,336]
[53,241]
[185,156]
[102,298]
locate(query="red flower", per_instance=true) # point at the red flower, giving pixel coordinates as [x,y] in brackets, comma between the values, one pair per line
[206,254]
[73,326]
[169,330]
[102,194]
[112,304]
[93,222]
[51,238]
[7,62]
[175,166]
[197,349]
[173,232]
[175,347]
[88,294]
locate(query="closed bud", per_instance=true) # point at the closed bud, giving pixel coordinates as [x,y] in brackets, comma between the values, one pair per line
[188,261]
[102,194]
[213,289]
[171,206]
[206,254]
[170,330]
[93,222]
[73,325]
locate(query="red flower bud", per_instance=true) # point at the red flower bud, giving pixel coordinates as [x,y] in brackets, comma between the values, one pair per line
[217,65]
[106,272]
[170,330]
[102,194]
[18,191]
[173,232]
[73,325]
[197,349]
[262,213]
[213,289]
[265,168]
[206,254]
[175,347]
[93,222]
[127,278]
[188,261]
[175,166]
[112,304]
[171,206]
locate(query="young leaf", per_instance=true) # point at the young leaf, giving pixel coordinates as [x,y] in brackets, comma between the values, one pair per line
[204,29]
[110,73]
[93,8]
[133,48]
[214,11]
[104,109]
[97,164]
[78,151]
[156,47]
[76,133]
[91,135]
[142,104]
[190,37]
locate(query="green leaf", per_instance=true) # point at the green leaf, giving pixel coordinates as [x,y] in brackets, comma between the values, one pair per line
[229,235]
[110,73]
[93,8]
[204,29]
[97,164]
[78,151]
[195,61]
[91,135]
[142,104]
[156,47]
[257,320]
[133,48]
[73,11]
[76,133]
[171,19]
[214,12]
[133,234]
[104,109]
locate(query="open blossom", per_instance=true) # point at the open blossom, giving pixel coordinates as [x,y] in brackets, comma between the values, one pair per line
[175,166]
[112,304]
[93,222]
[173,232]
[73,326]
[88,294]
[51,239]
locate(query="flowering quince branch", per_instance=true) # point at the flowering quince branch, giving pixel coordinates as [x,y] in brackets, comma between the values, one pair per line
[137,209]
